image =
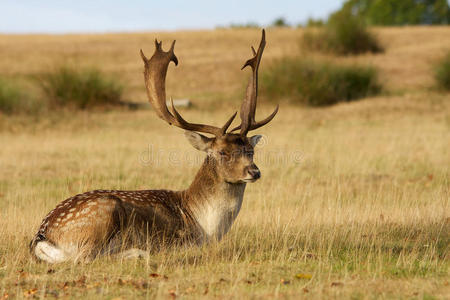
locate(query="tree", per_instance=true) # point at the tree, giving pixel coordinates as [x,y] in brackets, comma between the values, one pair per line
[399,12]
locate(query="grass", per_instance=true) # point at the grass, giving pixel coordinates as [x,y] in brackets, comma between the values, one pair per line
[353,201]
[442,73]
[13,99]
[344,35]
[316,83]
[80,88]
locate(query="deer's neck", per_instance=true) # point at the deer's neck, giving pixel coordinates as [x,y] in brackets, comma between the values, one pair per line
[212,202]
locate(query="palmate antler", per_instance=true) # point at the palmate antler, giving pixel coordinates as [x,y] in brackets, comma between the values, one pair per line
[155,76]
[155,80]
[248,107]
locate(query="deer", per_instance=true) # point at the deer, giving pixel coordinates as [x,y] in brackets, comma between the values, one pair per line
[102,222]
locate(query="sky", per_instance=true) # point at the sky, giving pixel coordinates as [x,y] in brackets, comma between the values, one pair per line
[68,16]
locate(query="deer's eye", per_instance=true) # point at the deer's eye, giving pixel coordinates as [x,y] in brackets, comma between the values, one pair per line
[223,153]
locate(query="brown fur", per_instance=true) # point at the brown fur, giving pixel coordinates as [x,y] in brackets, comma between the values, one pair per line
[110,221]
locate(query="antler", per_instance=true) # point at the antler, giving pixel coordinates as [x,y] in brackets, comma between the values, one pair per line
[248,107]
[155,81]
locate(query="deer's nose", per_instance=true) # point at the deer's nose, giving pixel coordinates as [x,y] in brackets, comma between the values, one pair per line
[254,172]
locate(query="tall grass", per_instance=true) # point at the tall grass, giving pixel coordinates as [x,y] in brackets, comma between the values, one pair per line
[344,34]
[442,72]
[352,200]
[358,214]
[13,99]
[83,88]
[318,83]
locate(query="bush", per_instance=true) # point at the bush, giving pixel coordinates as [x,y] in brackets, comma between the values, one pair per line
[13,100]
[442,73]
[343,34]
[318,84]
[311,22]
[280,22]
[80,88]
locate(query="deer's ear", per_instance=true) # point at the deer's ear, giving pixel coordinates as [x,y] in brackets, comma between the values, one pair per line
[254,139]
[199,141]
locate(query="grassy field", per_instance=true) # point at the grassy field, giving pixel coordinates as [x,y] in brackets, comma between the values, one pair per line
[353,201]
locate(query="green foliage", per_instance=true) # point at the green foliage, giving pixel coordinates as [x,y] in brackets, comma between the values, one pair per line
[13,100]
[314,22]
[280,22]
[399,12]
[344,34]
[80,88]
[317,83]
[442,73]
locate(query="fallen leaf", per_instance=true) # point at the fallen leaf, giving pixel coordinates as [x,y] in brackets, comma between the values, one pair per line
[156,275]
[310,255]
[337,283]
[30,292]
[172,293]
[50,271]
[305,290]
[22,273]
[303,276]
[81,280]
[5,296]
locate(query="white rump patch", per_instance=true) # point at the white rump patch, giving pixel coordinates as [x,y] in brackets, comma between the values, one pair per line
[49,253]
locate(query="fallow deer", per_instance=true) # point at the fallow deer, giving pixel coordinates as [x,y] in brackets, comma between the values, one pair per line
[113,221]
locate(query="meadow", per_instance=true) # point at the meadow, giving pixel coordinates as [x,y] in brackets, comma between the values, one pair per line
[353,201]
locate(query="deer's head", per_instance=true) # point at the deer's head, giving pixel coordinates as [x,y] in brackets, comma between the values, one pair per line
[232,153]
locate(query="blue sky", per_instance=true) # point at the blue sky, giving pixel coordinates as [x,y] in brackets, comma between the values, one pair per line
[64,16]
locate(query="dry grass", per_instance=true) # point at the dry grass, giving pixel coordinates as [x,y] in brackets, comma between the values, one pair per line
[354,199]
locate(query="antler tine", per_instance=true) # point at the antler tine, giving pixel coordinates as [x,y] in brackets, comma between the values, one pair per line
[261,123]
[248,107]
[182,123]
[155,70]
